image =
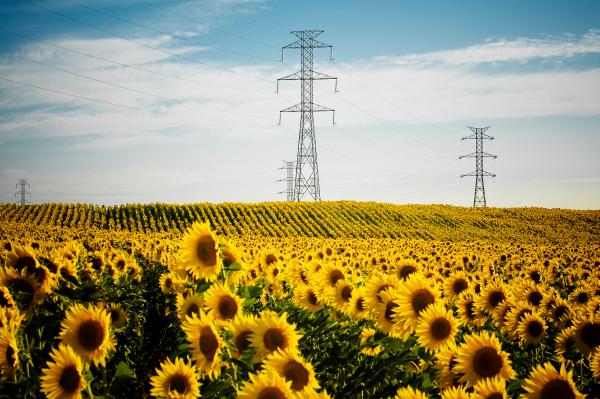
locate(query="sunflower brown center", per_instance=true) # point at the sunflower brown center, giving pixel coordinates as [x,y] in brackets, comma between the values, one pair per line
[179,383]
[557,389]
[389,311]
[335,276]
[242,341]
[296,373]
[228,258]
[421,299]
[115,315]
[440,328]
[24,288]
[470,306]
[487,362]
[10,357]
[459,285]
[360,304]
[495,298]
[535,328]
[347,293]
[560,311]
[535,276]
[312,298]
[70,379]
[3,300]
[192,309]
[535,298]
[97,264]
[205,249]
[228,307]
[208,343]
[406,271]
[303,277]
[270,258]
[25,262]
[271,393]
[273,339]
[90,335]
[495,395]
[590,334]
[582,297]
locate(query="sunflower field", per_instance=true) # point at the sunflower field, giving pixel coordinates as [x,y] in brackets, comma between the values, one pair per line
[298,300]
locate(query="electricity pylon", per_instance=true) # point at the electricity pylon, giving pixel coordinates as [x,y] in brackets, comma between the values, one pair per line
[479,135]
[289,180]
[22,183]
[307,170]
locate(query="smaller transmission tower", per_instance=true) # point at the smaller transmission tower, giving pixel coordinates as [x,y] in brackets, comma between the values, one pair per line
[22,183]
[479,135]
[289,180]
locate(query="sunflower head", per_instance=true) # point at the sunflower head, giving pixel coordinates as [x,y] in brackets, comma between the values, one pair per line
[437,328]
[545,381]
[587,334]
[242,328]
[201,252]
[223,304]
[177,380]
[481,356]
[294,369]
[9,353]
[273,332]
[266,385]
[63,377]
[206,343]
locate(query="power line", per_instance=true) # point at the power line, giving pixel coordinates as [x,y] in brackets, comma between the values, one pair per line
[479,135]
[147,45]
[175,100]
[208,26]
[162,74]
[127,107]
[307,169]
[144,26]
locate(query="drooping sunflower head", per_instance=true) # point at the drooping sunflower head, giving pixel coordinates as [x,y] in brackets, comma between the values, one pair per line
[481,356]
[545,382]
[201,253]
[206,344]
[9,353]
[175,380]
[293,369]
[436,328]
[223,304]
[63,377]
[273,332]
[266,385]
[88,331]
[490,388]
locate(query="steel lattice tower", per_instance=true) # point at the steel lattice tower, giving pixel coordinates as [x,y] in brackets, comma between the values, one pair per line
[289,180]
[22,183]
[307,170]
[479,135]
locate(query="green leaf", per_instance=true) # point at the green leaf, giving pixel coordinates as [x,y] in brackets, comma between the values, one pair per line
[123,371]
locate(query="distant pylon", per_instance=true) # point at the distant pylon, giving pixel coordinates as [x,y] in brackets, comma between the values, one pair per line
[22,183]
[478,135]
[289,180]
[307,170]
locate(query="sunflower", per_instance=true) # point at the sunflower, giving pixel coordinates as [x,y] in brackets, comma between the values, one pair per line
[63,377]
[267,385]
[456,393]
[532,329]
[9,353]
[490,388]
[6,299]
[587,334]
[10,319]
[387,316]
[515,316]
[492,296]
[375,286]
[273,332]
[437,328]
[329,275]
[169,283]
[357,306]
[545,382]
[595,364]
[405,267]
[481,356]
[409,393]
[467,310]
[580,296]
[118,317]
[455,284]
[414,296]
[223,304]
[306,297]
[445,364]
[565,345]
[206,343]
[88,332]
[241,327]
[533,294]
[23,287]
[201,252]
[189,305]
[367,342]
[22,258]
[341,295]
[175,380]
[294,369]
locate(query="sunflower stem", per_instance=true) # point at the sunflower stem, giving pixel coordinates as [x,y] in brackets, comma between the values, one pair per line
[88,390]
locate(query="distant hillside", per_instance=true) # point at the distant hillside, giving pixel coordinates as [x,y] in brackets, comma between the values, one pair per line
[326,219]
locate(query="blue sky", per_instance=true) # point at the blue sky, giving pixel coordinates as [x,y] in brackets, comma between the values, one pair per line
[200,77]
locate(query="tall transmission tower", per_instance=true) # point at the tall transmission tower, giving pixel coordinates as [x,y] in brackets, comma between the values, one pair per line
[289,180]
[22,183]
[306,180]
[479,135]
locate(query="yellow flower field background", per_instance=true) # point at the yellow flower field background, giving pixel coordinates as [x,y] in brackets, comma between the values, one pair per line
[298,300]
